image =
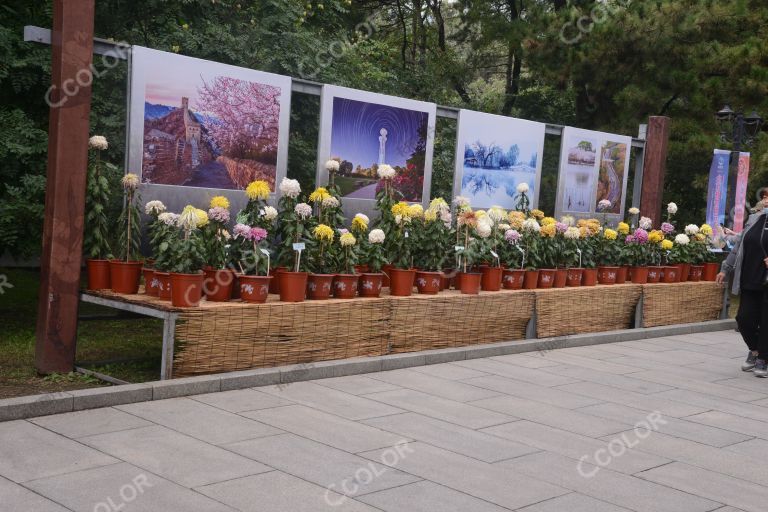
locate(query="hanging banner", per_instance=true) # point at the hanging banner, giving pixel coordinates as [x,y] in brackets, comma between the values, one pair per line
[718,187]
[741,193]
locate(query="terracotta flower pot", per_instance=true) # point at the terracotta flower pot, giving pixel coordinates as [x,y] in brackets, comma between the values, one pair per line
[186,289]
[621,274]
[445,280]
[685,269]
[574,276]
[319,286]
[531,279]
[370,284]
[491,279]
[163,285]
[696,272]
[217,284]
[387,269]
[254,289]
[361,269]
[513,278]
[345,286]
[589,277]
[293,286]
[401,282]
[561,278]
[671,274]
[710,271]
[428,283]
[546,278]
[124,276]
[98,274]
[654,274]
[274,284]
[639,275]
[470,283]
[149,281]
[607,275]
[236,287]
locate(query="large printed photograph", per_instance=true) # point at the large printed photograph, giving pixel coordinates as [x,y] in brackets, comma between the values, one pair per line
[579,173]
[610,181]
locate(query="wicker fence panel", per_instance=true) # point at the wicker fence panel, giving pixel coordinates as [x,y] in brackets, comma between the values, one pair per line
[681,303]
[563,311]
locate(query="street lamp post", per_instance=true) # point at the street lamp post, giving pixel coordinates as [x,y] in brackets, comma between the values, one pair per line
[741,131]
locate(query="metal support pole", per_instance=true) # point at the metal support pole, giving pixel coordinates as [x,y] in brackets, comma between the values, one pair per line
[169,334]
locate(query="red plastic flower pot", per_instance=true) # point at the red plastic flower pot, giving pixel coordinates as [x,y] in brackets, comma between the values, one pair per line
[218,283]
[589,277]
[531,279]
[546,278]
[696,272]
[428,283]
[186,290]
[163,285]
[470,283]
[274,284]
[370,284]
[345,286]
[574,276]
[490,280]
[401,282]
[293,286]
[639,275]
[561,278]
[125,276]
[513,278]
[671,274]
[98,274]
[710,271]
[685,270]
[607,275]
[150,284]
[654,274]
[319,286]
[621,274]
[387,269]
[254,289]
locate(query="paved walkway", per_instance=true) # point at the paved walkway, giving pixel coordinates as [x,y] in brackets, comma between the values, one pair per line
[659,425]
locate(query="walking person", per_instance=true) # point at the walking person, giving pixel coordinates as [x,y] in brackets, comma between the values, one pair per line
[747,266]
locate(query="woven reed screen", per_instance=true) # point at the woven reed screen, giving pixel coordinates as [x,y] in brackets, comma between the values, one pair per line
[681,303]
[564,311]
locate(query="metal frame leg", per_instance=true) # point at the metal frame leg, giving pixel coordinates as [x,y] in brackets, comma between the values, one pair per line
[639,313]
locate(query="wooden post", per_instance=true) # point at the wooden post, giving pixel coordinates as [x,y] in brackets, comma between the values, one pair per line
[656,143]
[70,102]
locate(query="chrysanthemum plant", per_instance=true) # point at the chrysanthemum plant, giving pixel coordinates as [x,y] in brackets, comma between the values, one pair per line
[247,247]
[348,258]
[374,252]
[291,226]
[548,246]
[184,253]
[322,257]
[130,226]
[215,237]
[432,236]
[608,248]
[254,212]
[401,244]
[97,233]
[509,250]
[162,232]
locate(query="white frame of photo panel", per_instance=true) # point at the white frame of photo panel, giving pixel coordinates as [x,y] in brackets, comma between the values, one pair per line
[513,124]
[175,197]
[368,206]
[600,138]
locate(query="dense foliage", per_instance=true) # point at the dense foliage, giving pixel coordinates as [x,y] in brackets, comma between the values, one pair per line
[603,65]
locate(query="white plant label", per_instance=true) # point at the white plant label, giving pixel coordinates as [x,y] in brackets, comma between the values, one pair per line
[459,248]
[300,246]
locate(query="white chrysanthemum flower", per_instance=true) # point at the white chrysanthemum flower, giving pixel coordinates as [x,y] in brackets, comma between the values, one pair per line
[98,142]
[645,223]
[398,219]
[130,181]
[154,208]
[330,202]
[603,205]
[188,219]
[347,240]
[446,218]
[504,227]
[461,202]
[672,208]
[497,214]
[290,188]
[634,211]
[531,225]
[572,233]
[483,227]
[168,218]
[522,188]
[303,210]
[332,166]
[385,172]
[363,217]
[691,229]
[682,239]
[568,220]
[376,236]
[269,213]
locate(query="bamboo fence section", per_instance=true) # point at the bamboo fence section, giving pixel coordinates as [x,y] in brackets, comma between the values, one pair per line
[681,303]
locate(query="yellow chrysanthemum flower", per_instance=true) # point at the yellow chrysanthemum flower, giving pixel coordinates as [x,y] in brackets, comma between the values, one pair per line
[438,204]
[480,213]
[430,215]
[548,231]
[402,208]
[347,240]
[416,211]
[258,190]
[359,224]
[202,217]
[219,202]
[623,228]
[706,229]
[700,236]
[584,232]
[188,218]
[323,232]
[667,245]
[655,236]
[610,234]
[537,214]
[516,219]
[319,194]
[546,221]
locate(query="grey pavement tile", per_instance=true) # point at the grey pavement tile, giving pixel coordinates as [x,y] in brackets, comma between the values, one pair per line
[743,409]
[572,445]
[122,487]
[451,437]
[745,380]
[449,371]
[747,496]
[638,400]
[328,467]
[241,400]
[644,364]
[672,426]
[199,420]
[527,360]
[731,422]
[427,497]
[14,497]
[763,402]
[451,411]
[607,485]
[357,384]
[28,452]
[532,375]
[552,396]
[592,364]
[624,382]
[279,492]
[90,422]
[753,449]
[177,457]
[450,389]
[326,428]
[671,357]
[331,400]
[557,417]
[488,482]
[574,503]
[645,345]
